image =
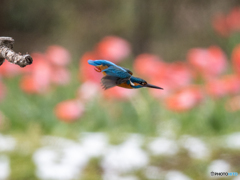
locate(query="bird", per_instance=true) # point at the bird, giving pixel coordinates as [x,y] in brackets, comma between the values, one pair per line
[115,75]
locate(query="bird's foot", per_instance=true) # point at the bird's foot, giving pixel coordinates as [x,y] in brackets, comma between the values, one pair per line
[97,69]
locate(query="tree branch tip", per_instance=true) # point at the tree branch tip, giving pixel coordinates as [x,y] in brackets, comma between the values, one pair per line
[5,38]
[6,52]
[28,58]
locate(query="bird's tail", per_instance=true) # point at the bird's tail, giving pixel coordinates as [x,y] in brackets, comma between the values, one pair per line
[91,62]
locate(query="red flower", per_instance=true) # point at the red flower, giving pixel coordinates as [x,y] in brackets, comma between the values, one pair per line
[232,83]
[37,57]
[178,74]
[60,76]
[42,75]
[209,62]
[38,80]
[233,19]
[225,24]
[58,55]
[164,83]
[233,104]
[236,59]
[149,66]
[88,90]
[174,76]
[69,110]
[28,85]
[226,85]
[86,71]
[216,88]
[8,69]
[119,93]
[184,99]
[220,25]
[113,48]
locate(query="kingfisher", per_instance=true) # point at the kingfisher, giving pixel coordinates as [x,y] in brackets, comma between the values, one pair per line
[115,75]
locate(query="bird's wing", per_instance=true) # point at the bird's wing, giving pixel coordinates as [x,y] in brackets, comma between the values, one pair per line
[117,71]
[129,72]
[108,64]
[101,62]
[111,81]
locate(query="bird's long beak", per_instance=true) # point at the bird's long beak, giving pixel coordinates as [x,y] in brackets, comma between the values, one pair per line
[152,86]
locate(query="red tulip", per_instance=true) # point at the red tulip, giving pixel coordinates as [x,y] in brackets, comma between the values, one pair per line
[119,93]
[174,76]
[236,59]
[216,88]
[38,81]
[226,85]
[226,24]
[8,69]
[220,25]
[58,55]
[149,66]
[209,62]
[60,76]
[233,19]
[42,75]
[113,48]
[37,57]
[164,83]
[86,71]
[233,104]
[178,74]
[232,83]
[184,99]
[88,90]
[28,85]
[69,111]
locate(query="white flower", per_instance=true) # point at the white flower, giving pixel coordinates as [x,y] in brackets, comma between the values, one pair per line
[218,166]
[108,176]
[233,141]
[4,167]
[236,178]
[125,157]
[163,146]
[7,143]
[65,160]
[152,172]
[176,175]
[94,144]
[197,149]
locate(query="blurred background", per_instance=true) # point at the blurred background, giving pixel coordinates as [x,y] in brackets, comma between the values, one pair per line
[57,123]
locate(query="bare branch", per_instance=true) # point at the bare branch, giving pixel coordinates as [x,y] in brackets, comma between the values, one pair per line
[6,52]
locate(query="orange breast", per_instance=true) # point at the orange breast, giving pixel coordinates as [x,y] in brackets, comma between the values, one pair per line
[125,85]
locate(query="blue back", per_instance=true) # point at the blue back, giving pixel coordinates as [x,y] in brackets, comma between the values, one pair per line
[112,70]
[101,62]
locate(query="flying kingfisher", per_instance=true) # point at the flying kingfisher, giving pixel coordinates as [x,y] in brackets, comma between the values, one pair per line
[118,76]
